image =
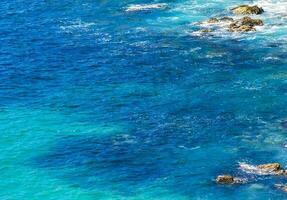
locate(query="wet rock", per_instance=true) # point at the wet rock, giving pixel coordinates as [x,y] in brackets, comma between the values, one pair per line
[247,10]
[215,20]
[206,30]
[212,20]
[246,24]
[251,22]
[243,28]
[225,179]
[226,19]
[228,179]
[264,169]
[270,167]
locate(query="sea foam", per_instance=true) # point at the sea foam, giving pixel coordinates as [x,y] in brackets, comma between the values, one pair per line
[144,7]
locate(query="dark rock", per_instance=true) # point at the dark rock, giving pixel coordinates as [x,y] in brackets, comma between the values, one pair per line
[251,22]
[207,30]
[225,179]
[212,20]
[247,10]
[228,179]
[246,24]
[226,19]
[270,167]
[244,28]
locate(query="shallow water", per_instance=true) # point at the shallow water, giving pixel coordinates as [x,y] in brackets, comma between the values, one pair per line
[100,103]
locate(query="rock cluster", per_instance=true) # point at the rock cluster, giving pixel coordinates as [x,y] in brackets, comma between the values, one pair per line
[263,169]
[245,24]
[247,10]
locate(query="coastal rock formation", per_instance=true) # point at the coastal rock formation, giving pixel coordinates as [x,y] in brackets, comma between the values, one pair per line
[264,169]
[214,20]
[226,19]
[243,28]
[247,10]
[225,179]
[270,167]
[245,24]
[228,179]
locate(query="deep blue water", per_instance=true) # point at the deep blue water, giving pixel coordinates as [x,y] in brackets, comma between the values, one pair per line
[100,103]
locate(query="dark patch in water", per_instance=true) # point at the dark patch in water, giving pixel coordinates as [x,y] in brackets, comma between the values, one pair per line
[128,163]
[284,124]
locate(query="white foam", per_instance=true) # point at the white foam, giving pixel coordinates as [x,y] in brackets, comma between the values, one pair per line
[77,25]
[253,169]
[143,7]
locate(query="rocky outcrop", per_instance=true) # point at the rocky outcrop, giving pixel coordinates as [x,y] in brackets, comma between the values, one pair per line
[264,169]
[248,21]
[270,167]
[246,24]
[226,19]
[225,179]
[214,20]
[228,179]
[247,10]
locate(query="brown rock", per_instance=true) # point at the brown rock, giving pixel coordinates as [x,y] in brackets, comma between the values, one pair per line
[247,10]
[270,167]
[251,22]
[212,20]
[245,24]
[206,30]
[244,28]
[226,19]
[225,179]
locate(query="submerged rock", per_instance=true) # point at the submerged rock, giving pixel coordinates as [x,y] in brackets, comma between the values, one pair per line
[284,124]
[226,19]
[246,24]
[206,30]
[247,10]
[212,20]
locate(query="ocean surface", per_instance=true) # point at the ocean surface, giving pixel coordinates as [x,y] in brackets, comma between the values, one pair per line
[106,100]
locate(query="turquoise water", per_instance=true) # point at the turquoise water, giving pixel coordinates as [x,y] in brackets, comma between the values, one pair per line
[100,103]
